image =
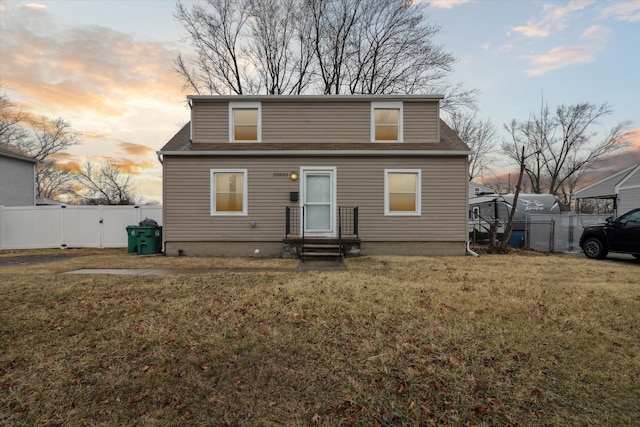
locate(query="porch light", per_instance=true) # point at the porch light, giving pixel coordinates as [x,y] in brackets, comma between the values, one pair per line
[293,176]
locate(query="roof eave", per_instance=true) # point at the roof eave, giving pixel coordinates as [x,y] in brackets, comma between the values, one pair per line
[18,157]
[315,153]
[317,98]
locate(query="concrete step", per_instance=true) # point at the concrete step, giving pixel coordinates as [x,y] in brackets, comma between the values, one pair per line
[321,251]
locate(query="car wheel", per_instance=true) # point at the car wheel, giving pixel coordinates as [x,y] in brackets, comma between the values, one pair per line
[593,248]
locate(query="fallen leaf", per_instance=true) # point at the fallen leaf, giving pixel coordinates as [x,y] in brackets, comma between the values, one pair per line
[481,411]
[136,398]
[495,403]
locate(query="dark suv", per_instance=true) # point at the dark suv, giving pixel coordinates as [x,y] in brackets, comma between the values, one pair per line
[616,235]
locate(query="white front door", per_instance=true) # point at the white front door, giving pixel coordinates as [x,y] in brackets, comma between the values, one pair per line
[318,188]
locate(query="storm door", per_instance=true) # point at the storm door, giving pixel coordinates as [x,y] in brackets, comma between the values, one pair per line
[318,189]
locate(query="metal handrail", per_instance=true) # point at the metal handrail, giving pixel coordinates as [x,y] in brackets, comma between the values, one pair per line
[347,218]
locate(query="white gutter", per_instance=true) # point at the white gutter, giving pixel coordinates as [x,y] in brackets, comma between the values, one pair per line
[470,252]
[314,153]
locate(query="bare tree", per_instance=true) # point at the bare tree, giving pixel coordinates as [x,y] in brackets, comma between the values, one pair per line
[333,24]
[393,50]
[55,181]
[105,184]
[41,138]
[216,37]
[11,129]
[560,147]
[315,46]
[277,48]
[479,135]
[49,137]
[503,243]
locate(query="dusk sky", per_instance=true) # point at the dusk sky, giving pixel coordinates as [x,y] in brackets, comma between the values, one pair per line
[106,67]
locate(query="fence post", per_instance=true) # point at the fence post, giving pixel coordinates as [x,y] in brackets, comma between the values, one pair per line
[63,227]
[1,226]
[552,236]
[572,220]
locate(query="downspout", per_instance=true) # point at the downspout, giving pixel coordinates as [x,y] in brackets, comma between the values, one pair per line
[159,154]
[470,252]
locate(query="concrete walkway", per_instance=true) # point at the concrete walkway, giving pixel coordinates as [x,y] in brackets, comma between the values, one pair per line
[307,266]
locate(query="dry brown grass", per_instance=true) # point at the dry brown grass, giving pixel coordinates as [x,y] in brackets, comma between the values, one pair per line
[498,340]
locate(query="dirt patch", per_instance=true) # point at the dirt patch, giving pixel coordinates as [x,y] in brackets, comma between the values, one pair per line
[14,261]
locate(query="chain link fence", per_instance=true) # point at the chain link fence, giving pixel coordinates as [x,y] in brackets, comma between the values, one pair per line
[557,233]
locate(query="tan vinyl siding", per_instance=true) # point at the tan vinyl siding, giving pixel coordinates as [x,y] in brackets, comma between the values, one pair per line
[360,182]
[315,122]
[210,122]
[421,122]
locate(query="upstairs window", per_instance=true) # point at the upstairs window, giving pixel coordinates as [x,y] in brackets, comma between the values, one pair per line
[386,122]
[402,191]
[228,192]
[245,122]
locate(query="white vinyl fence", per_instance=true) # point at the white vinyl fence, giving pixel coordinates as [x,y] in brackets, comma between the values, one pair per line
[33,227]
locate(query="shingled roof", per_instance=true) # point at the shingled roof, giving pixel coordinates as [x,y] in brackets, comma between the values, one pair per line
[180,143]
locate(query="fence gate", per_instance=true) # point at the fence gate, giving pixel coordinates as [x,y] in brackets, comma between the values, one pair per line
[557,233]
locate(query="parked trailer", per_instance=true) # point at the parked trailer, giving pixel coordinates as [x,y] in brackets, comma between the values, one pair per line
[488,209]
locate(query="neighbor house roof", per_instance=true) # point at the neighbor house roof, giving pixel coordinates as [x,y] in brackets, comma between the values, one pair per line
[605,188]
[450,143]
[16,155]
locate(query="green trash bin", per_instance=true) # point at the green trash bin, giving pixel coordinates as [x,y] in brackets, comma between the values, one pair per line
[132,238]
[149,240]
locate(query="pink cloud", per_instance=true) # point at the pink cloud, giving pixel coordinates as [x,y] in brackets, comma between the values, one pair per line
[554,18]
[595,32]
[77,69]
[532,30]
[446,4]
[560,57]
[623,11]
[35,6]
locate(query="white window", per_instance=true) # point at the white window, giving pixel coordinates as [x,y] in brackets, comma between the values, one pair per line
[229,192]
[245,122]
[402,189]
[386,122]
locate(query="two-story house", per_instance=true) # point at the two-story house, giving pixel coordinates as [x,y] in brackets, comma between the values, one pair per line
[258,174]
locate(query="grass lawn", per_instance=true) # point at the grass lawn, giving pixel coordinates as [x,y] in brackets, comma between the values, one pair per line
[497,340]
